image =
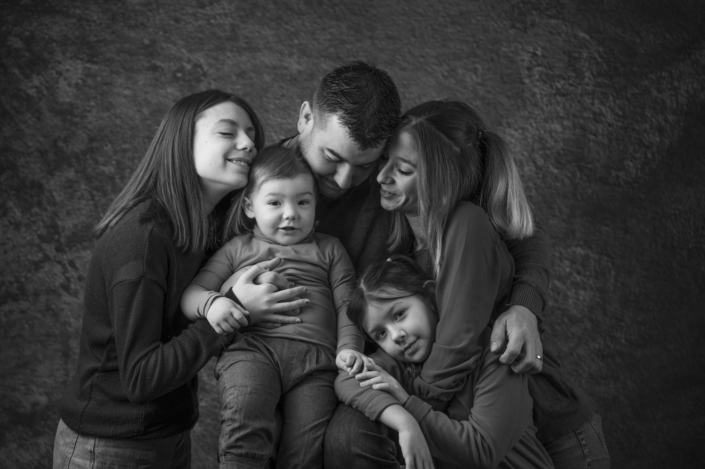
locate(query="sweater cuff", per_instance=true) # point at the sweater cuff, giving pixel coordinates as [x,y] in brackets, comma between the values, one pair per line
[217,342]
[526,296]
[377,405]
[417,408]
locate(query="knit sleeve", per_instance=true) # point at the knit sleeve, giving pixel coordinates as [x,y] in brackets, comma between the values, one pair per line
[341,275]
[467,286]
[532,258]
[370,402]
[150,363]
[499,415]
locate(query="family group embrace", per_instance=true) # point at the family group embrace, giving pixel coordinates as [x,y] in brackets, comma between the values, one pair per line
[373,288]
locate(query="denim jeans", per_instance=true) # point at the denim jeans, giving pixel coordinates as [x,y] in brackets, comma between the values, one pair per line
[255,374]
[354,441]
[583,448]
[74,451]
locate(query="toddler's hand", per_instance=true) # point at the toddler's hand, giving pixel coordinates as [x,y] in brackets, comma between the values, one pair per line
[226,316]
[352,361]
[379,379]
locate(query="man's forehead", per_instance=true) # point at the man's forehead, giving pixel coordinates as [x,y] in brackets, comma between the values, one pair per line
[334,137]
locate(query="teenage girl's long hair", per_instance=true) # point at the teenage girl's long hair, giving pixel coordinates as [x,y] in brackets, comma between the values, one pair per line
[167,174]
[461,160]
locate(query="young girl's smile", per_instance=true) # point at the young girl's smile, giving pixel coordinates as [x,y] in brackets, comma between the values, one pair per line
[403,326]
[284,209]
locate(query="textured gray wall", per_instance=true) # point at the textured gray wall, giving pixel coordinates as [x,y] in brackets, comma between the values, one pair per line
[603,104]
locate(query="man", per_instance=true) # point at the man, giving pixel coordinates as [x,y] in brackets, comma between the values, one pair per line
[342,134]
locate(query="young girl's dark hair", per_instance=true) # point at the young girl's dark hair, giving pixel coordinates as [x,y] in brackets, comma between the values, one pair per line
[273,162]
[397,277]
[167,174]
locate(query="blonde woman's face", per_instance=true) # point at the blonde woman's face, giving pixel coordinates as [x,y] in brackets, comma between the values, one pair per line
[223,148]
[398,176]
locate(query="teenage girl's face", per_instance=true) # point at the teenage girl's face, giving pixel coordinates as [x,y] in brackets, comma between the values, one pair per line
[404,327]
[285,209]
[223,148]
[399,192]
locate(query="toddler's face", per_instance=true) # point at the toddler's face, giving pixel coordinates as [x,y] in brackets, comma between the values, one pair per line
[285,209]
[403,326]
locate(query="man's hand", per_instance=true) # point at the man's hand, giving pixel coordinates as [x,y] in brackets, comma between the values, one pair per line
[379,379]
[517,329]
[265,302]
[352,361]
[226,316]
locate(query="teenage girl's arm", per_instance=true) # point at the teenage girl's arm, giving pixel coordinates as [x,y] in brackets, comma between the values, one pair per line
[466,289]
[518,327]
[264,302]
[151,363]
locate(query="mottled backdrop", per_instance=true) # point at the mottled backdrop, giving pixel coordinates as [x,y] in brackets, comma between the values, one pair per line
[602,102]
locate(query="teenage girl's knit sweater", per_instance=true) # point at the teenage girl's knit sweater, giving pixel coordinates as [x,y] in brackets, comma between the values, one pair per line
[138,356]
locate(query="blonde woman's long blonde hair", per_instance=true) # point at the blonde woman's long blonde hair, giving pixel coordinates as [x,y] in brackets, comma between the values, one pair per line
[461,160]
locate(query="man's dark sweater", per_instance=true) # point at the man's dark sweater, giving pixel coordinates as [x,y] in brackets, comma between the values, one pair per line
[139,356]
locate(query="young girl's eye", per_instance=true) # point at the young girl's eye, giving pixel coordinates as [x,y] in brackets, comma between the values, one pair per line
[380,335]
[398,315]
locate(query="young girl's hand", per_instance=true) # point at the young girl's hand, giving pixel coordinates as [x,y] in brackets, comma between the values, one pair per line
[352,361]
[376,377]
[226,316]
[414,448]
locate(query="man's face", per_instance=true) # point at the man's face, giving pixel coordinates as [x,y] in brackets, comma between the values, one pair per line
[336,160]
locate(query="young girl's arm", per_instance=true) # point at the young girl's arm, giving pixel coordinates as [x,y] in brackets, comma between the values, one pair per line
[467,287]
[341,275]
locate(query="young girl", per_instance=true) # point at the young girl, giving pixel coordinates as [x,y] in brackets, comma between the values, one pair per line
[295,363]
[133,398]
[488,422]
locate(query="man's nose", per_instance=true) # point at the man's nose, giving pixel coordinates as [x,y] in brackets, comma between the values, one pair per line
[344,175]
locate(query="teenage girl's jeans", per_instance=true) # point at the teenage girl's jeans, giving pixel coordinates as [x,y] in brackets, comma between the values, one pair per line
[74,451]
[255,374]
[352,437]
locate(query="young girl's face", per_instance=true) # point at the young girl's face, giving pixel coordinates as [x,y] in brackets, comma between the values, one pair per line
[223,148]
[404,326]
[284,209]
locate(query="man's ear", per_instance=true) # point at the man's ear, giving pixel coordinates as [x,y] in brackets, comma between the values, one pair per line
[247,205]
[305,117]
[430,285]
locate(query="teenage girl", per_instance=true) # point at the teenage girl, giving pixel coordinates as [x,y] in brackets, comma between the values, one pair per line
[133,399]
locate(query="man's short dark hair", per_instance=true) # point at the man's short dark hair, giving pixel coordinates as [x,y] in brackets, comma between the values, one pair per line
[364,98]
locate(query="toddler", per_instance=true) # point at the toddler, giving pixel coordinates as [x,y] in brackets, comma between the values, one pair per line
[294,364]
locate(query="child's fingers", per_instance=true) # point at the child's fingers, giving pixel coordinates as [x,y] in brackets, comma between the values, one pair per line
[366,375]
[372,381]
[240,317]
[382,386]
[269,325]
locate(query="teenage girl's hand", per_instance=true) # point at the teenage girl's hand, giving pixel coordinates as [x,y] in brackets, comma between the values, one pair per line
[226,316]
[524,351]
[379,379]
[352,361]
[265,302]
